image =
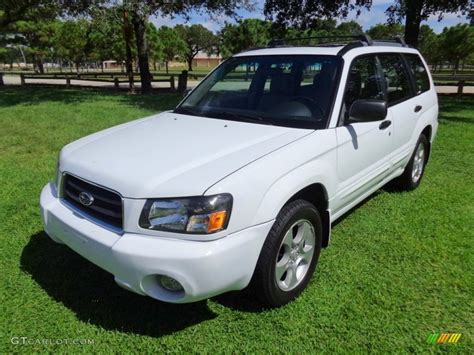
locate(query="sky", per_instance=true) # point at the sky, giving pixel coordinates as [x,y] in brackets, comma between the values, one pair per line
[366,19]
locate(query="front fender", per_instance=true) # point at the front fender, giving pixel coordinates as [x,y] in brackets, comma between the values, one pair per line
[262,188]
[280,192]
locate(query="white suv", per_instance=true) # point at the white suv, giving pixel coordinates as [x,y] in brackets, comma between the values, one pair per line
[239,184]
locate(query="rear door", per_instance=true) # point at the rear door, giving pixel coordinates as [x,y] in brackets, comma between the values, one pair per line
[404,107]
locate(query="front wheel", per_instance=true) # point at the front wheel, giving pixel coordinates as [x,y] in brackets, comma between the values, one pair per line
[289,255]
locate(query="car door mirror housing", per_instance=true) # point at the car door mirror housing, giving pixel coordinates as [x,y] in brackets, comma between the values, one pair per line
[367,111]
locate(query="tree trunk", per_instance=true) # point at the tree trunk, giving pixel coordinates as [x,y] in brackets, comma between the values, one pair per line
[190,63]
[39,65]
[142,52]
[127,34]
[412,24]
[166,64]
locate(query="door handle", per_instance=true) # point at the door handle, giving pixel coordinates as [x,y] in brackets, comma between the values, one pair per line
[418,108]
[385,124]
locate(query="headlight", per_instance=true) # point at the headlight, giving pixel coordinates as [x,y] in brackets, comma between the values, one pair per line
[200,214]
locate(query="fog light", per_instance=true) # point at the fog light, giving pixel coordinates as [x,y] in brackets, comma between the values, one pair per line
[170,284]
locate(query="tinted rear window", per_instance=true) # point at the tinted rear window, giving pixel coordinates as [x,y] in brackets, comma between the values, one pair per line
[397,78]
[419,72]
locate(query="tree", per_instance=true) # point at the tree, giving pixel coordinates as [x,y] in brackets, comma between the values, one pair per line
[72,41]
[245,34]
[12,11]
[8,55]
[155,47]
[128,38]
[429,45]
[303,14]
[457,43]
[416,11]
[350,28]
[306,14]
[140,11]
[106,35]
[386,31]
[172,45]
[37,36]
[198,39]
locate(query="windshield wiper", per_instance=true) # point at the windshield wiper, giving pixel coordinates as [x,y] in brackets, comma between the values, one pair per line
[187,111]
[227,115]
[240,116]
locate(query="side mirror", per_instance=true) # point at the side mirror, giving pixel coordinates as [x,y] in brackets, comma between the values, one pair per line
[367,111]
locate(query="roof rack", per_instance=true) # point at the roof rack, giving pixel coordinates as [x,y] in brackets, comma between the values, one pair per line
[360,41]
[284,42]
[397,40]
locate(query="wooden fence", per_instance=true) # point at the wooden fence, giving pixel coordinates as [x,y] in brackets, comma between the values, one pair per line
[115,79]
[458,80]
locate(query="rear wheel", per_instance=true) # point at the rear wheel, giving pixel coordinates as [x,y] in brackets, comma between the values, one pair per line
[411,177]
[289,254]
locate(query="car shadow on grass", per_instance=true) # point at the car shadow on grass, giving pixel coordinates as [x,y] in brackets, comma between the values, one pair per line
[94,297]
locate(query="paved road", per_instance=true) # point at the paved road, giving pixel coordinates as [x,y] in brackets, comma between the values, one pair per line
[15,80]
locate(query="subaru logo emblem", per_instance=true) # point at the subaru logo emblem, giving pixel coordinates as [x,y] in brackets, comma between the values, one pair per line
[86,198]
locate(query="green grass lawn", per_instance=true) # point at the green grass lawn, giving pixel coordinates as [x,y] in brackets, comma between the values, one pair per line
[400,266]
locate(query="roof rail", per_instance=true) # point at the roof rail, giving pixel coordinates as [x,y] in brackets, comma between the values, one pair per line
[400,40]
[283,42]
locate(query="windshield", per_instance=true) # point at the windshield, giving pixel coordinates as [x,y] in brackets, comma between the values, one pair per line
[283,90]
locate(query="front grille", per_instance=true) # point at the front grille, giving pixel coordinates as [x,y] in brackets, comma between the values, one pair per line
[106,205]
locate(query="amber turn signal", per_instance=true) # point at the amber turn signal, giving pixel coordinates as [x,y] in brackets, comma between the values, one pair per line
[216,221]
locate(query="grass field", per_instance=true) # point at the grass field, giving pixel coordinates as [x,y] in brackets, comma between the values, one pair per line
[400,266]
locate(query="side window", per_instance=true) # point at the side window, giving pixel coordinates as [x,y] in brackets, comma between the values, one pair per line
[419,73]
[363,82]
[396,77]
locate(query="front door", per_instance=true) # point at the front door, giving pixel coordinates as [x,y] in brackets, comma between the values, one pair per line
[364,149]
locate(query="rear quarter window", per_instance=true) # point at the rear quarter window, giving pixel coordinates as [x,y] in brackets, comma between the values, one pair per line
[419,71]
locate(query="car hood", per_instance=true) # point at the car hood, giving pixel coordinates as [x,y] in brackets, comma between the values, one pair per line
[171,155]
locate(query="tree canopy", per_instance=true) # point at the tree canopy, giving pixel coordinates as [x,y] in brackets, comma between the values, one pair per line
[384,31]
[457,43]
[303,14]
[245,34]
[171,43]
[197,39]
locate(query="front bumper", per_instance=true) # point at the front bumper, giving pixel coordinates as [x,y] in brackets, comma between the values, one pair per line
[204,269]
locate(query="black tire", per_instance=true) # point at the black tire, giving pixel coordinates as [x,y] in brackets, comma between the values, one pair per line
[406,181]
[264,284]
